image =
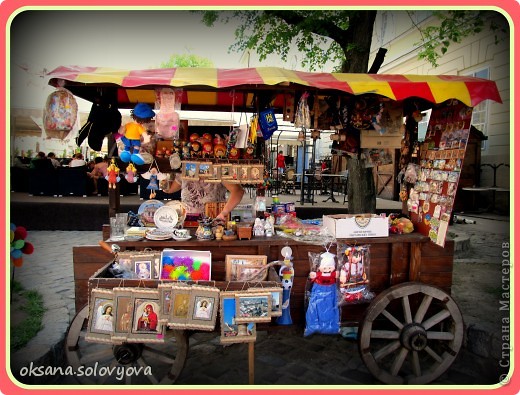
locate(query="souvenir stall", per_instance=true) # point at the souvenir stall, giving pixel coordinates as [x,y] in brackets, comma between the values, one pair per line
[360,274]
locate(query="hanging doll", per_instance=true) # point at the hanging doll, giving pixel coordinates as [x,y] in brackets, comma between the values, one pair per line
[167,119]
[131,175]
[112,174]
[132,131]
[353,279]
[322,314]
[154,176]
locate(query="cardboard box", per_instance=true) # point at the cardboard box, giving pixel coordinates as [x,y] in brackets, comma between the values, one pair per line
[346,226]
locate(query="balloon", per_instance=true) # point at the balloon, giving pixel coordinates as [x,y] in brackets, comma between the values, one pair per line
[16,254]
[28,248]
[13,227]
[11,236]
[18,244]
[18,262]
[20,233]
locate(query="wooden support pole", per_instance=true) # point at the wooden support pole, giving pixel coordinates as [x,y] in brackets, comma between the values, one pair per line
[251,355]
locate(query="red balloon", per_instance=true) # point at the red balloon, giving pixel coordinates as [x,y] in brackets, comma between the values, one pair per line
[28,248]
[17,262]
[20,233]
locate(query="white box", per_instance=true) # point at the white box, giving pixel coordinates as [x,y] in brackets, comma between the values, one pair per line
[346,226]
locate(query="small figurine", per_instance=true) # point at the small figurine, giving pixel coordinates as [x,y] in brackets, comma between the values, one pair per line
[131,175]
[112,174]
[219,232]
[132,131]
[258,227]
[286,274]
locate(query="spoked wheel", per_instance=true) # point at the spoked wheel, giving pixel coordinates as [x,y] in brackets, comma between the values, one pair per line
[127,363]
[411,334]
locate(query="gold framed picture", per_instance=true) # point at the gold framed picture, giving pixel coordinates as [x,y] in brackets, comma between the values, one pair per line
[253,307]
[230,330]
[180,304]
[123,313]
[254,262]
[101,316]
[276,299]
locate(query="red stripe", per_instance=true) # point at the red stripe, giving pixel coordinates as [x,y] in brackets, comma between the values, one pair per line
[479,91]
[323,81]
[403,90]
[70,73]
[232,77]
[148,77]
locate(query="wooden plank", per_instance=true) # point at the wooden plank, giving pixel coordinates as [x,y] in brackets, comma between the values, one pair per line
[415,261]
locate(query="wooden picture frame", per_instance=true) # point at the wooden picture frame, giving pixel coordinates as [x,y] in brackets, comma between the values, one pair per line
[215,173]
[243,174]
[124,313]
[226,171]
[190,170]
[203,308]
[276,299]
[146,327]
[230,331]
[233,261]
[253,307]
[101,316]
[256,175]
[165,297]
[143,266]
[205,170]
[180,307]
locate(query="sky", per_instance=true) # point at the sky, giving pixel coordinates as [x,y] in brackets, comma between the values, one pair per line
[43,40]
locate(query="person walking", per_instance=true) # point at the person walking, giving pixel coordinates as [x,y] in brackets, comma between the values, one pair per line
[280,163]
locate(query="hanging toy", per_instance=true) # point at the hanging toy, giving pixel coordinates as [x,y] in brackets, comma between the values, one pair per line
[167,119]
[131,173]
[141,114]
[322,315]
[286,274]
[19,246]
[112,174]
[155,176]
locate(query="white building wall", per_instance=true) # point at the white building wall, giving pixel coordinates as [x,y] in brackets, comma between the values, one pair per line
[397,32]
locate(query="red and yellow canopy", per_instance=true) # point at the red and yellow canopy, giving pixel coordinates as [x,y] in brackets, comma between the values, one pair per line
[210,86]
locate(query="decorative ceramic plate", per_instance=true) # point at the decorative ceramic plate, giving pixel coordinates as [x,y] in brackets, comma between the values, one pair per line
[181,210]
[166,218]
[147,210]
[158,234]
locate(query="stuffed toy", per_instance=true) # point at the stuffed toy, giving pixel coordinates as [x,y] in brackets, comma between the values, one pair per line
[112,174]
[322,315]
[141,114]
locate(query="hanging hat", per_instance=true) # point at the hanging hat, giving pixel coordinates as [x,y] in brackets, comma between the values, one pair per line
[143,110]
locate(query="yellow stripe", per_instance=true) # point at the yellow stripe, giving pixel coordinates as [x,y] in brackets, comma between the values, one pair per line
[103,74]
[185,76]
[202,98]
[274,76]
[444,90]
[361,83]
[140,95]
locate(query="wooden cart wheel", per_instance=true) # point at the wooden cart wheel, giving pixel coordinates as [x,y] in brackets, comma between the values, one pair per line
[125,363]
[411,334]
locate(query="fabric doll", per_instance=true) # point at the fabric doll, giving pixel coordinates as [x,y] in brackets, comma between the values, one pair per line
[112,174]
[154,176]
[131,175]
[322,314]
[167,119]
[132,131]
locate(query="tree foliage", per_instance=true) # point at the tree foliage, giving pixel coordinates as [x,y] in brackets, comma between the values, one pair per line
[453,27]
[187,60]
[322,36]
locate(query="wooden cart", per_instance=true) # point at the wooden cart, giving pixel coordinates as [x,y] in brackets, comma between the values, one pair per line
[411,332]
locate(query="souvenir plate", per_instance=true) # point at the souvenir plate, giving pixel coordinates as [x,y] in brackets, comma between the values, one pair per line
[166,218]
[147,210]
[158,234]
[181,210]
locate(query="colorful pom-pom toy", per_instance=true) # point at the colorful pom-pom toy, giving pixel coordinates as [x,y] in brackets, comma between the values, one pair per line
[19,245]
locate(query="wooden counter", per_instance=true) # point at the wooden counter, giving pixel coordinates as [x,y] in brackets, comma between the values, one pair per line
[393,260]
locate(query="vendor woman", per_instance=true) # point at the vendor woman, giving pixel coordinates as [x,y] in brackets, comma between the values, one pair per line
[195,193]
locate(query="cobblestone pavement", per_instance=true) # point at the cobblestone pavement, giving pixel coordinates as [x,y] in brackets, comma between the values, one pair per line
[281,357]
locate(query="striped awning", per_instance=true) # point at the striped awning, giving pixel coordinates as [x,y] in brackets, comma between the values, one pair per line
[223,87]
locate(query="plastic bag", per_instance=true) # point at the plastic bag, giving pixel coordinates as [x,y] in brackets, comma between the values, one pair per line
[354,264]
[322,313]
[60,113]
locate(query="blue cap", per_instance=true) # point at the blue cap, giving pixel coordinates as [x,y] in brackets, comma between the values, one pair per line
[143,110]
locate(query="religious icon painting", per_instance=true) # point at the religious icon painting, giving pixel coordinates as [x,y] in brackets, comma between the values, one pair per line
[123,313]
[165,297]
[256,174]
[226,172]
[203,307]
[101,316]
[243,174]
[180,303]
[146,327]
